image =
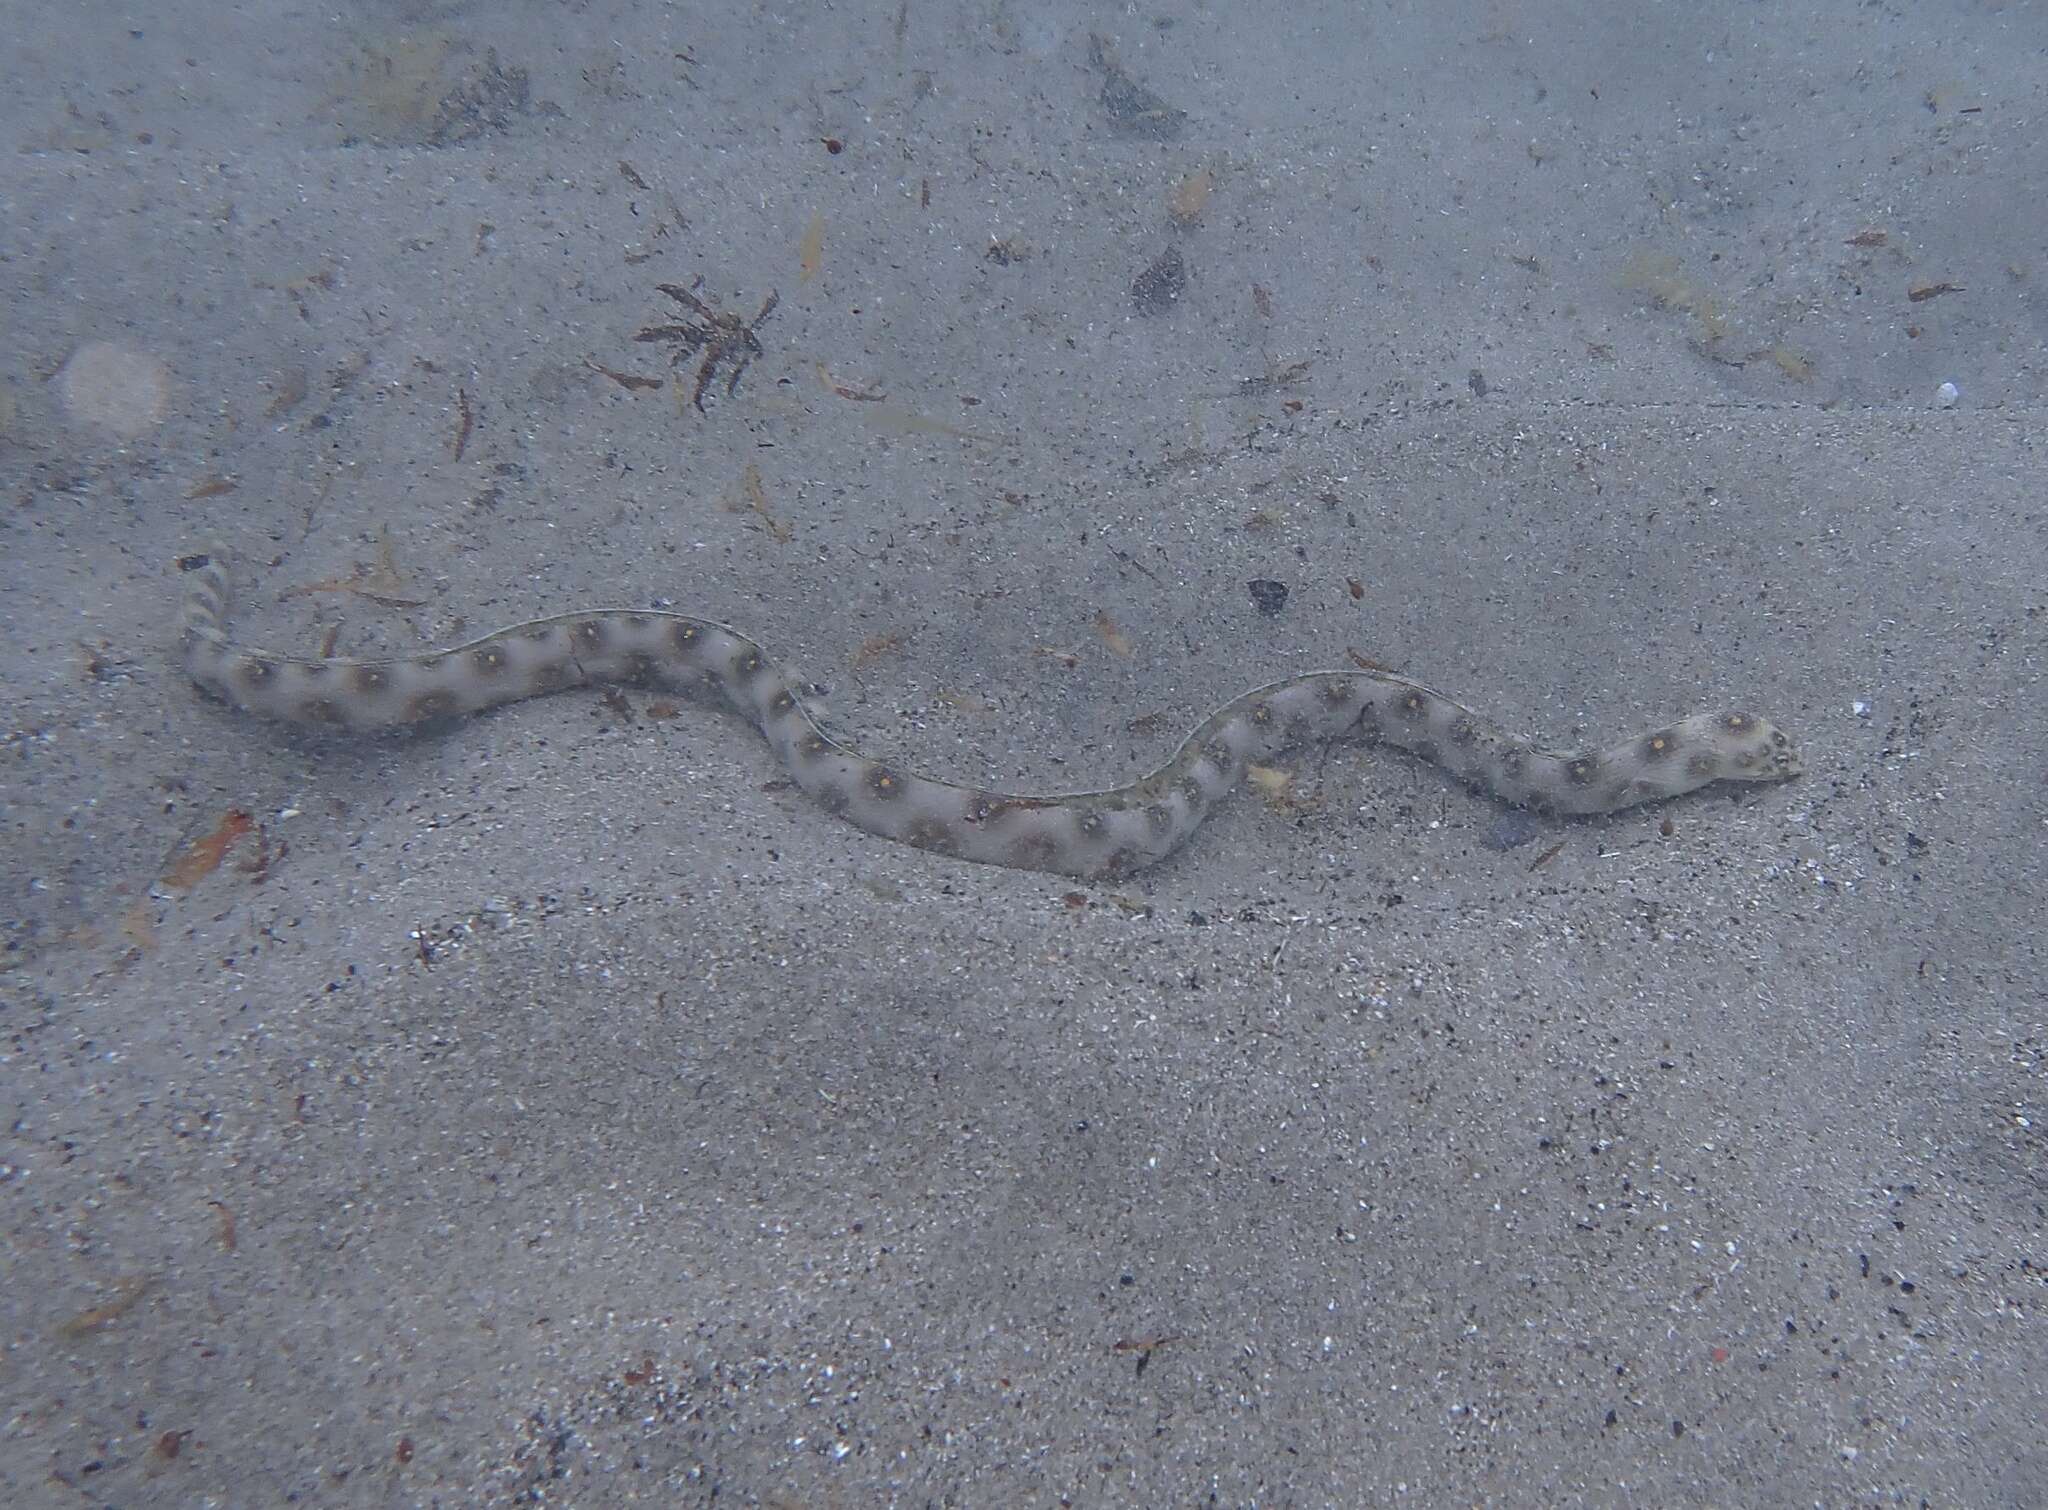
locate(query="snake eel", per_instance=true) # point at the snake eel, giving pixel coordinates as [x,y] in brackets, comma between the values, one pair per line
[1093,835]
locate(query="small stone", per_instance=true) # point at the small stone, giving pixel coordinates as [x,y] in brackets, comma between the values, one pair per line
[1948,395]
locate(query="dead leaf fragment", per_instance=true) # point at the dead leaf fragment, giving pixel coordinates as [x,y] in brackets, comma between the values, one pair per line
[1140,1344]
[137,928]
[875,647]
[380,584]
[1189,196]
[288,393]
[867,395]
[811,250]
[894,419]
[1795,364]
[202,856]
[626,380]
[465,426]
[756,496]
[1118,642]
[126,1293]
[1275,787]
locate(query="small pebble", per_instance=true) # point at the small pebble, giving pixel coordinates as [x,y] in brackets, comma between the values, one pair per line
[1947,395]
